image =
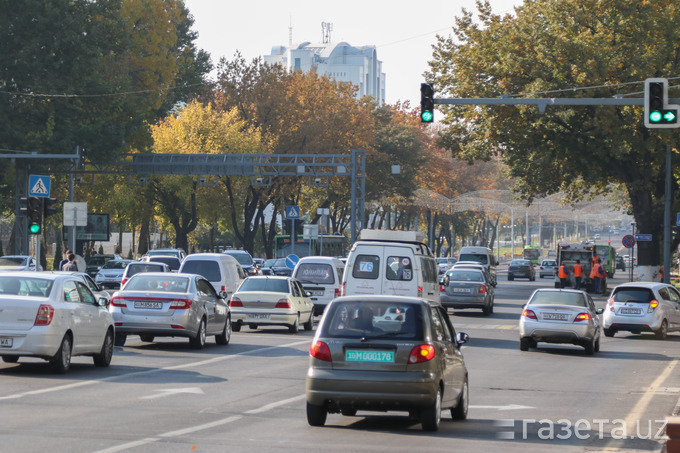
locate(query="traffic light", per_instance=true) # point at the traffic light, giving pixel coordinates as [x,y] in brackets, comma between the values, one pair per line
[34,215]
[659,113]
[47,209]
[426,103]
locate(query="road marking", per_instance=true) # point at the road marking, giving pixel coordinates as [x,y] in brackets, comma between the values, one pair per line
[507,407]
[155,370]
[168,392]
[193,429]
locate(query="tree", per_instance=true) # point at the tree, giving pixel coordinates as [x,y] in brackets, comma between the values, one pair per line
[553,47]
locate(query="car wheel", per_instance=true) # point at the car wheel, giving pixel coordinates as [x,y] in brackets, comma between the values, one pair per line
[662,333]
[236,327]
[225,336]
[609,332]
[486,311]
[348,412]
[198,342]
[540,276]
[531,279]
[309,325]
[597,345]
[510,278]
[461,410]
[10,358]
[316,415]
[590,347]
[431,416]
[525,343]
[103,359]
[61,362]
[146,338]
[120,339]
[295,327]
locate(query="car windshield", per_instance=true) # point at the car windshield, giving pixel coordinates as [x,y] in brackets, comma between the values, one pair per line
[558,298]
[281,262]
[269,263]
[640,295]
[171,261]
[548,263]
[13,261]
[98,260]
[520,263]
[243,259]
[207,268]
[442,261]
[161,253]
[171,284]
[465,276]
[472,257]
[115,264]
[25,286]
[373,319]
[136,268]
[319,273]
[270,285]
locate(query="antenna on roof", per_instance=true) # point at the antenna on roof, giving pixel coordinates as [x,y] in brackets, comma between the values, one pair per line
[326,29]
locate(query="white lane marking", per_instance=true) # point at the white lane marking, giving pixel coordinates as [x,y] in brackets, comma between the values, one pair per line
[193,429]
[168,392]
[154,370]
[507,407]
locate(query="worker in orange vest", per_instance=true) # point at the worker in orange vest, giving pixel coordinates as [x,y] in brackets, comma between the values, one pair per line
[596,276]
[578,273]
[562,275]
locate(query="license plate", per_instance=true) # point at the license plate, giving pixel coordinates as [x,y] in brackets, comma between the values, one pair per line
[556,316]
[369,356]
[462,290]
[5,342]
[152,305]
[258,316]
[317,293]
[630,311]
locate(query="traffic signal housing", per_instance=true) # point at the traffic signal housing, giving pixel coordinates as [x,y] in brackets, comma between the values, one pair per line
[659,114]
[426,103]
[47,209]
[34,215]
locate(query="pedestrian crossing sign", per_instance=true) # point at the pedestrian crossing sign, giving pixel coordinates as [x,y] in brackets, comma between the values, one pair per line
[39,186]
[292,212]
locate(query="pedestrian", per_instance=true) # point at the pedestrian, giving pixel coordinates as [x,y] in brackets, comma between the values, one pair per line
[578,273]
[595,276]
[63,262]
[562,275]
[71,266]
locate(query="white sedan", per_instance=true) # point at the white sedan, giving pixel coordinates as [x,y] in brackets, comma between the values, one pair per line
[271,301]
[53,316]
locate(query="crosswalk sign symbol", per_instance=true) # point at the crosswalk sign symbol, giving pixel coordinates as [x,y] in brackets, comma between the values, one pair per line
[292,212]
[38,186]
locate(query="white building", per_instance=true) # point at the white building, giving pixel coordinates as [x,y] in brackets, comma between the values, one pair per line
[340,61]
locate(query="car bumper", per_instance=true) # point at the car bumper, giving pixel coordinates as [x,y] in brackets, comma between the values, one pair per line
[43,343]
[464,301]
[370,390]
[519,274]
[547,274]
[182,325]
[264,319]
[630,323]
[556,332]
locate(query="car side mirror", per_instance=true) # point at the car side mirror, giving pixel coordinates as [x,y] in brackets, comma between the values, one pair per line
[223,295]
[462,338]
[599,311]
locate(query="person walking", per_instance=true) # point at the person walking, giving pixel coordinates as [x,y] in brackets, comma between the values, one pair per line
[562,275]
[578,273]
[63,262]
[71,266]
[595,276]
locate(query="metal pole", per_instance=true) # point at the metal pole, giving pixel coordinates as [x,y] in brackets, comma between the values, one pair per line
[632,254]
[667,220]
[512,234]
[321,230]
[71,229]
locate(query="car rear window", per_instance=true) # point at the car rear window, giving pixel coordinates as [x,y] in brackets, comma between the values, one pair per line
[473,257]
[400,321]
[639,295]
[133,269]
[25,286]
[465,276]
[171,261]
[208,269]
[366,266]
[319,273]
[115,265]
[142,282]
[558,298]
[270,285]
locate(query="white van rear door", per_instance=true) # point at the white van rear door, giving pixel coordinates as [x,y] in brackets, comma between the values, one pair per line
[399,272]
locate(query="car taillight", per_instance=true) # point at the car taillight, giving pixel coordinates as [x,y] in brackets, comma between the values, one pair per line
[442,288]
[283,303]
[529,314]
[44,316]
[582,317]
[342,291]
[337,292]
[235,302]
[180,304]
[482,289]
[319,350]
[652,305]
[421,353]
[224,288]
[118,302]
[420,291]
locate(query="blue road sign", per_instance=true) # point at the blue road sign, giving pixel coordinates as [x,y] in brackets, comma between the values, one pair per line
[292,212]
[39,186]
[291,261]
[677,219]
[643,237]
[628,241]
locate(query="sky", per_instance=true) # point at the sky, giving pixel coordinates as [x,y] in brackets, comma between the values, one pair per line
[402,31]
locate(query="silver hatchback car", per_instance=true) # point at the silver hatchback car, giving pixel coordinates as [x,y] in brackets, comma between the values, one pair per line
[643,307]
[382,353]
[560,316]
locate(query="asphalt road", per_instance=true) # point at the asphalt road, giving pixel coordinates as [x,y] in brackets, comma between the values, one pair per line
[249,396]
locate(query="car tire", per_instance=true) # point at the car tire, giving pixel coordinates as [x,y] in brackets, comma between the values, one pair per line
[120,339]
[486,311]
[10,358]
[103,359]
[198,342]
[662,333]
[295,327]
[525,343]
[540,276]
[609,332]
[531,279]
[597,345]
[431,416]
[309,325]
[590,347]
[146,338]
[461,410]
[61,361]
[225,336]
[316,415]
[236,327]
[510,278]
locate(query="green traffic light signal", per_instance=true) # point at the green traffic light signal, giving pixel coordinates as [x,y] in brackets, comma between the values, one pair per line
[426,102]
[426,117]
[655,117]
[34,228]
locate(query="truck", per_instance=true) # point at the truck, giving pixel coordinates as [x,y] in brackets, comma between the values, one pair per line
[567,254]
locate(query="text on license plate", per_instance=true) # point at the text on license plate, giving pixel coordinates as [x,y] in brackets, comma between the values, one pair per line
[631,311]
[258,316]
[318,292]
[556,316]
[369,356]
[462,290]
[5,342]
[152,305]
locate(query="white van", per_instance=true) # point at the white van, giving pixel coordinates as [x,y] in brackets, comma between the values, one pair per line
[393,263]
[222,271]
[321,276]
[481,255]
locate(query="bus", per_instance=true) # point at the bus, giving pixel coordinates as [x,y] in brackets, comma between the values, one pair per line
[607,255]
[333,245]
[532,253]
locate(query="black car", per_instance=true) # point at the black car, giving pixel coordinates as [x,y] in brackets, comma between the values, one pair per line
[521,269]
[97,261]
[245,260]
[620,263]
[279,267]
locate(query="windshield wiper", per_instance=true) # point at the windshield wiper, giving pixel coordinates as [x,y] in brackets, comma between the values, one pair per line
[384,335]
